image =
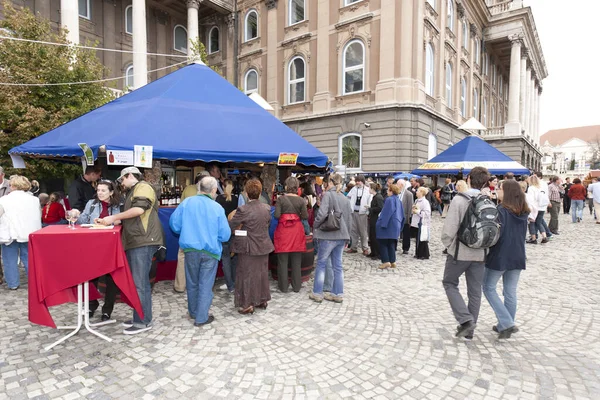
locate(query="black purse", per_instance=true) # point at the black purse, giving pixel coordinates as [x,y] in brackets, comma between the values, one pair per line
[332,222]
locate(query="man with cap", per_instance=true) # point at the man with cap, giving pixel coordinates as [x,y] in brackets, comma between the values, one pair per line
[142,235]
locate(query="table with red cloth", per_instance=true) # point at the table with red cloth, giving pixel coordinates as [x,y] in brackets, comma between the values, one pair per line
[61,258]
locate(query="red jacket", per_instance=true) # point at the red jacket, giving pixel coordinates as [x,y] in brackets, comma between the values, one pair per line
[289,235]
[53,213]
[577,192]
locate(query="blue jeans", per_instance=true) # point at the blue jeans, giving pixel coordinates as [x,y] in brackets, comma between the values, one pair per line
[229,264]
[330,249]
[140,262]
[387,249]
[537,225]
[576,210]
[200,274]
[505,312]
[10,257]
[328,282]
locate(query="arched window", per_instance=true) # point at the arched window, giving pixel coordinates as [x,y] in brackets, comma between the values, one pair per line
[451,15]
[251,82]
[429,69]
[251,23]
[465,32]
[213,40]
[463,97]
[449,85]
[354,67]
[297,80]
[180,39]
[350,151]
[129,77]
[475,104]
[129,20]
[493,112]
[485,121]
[296,11]
[85,9]
[432,146]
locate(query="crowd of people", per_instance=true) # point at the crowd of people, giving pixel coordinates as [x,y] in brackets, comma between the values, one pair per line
[242,224]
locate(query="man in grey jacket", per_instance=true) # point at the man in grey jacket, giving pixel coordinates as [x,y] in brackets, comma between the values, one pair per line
[408,200]
[470,262]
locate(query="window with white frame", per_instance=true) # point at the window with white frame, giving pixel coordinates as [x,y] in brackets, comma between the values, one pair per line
[463,97]
[449,85]
[477,51]
[465,32]
[493,75]
[297,80]
[354,67]
[429,69]
[129,20]
[180,38]
[475,104]
[129,76]
[493,116]
[85,9]
[296,11]
[350,151]
[251,24]
[431,3]
[432,146]
[251,82]
[451,15]
[348,2]
[213,40]
[486,62]
[501,85]
[484,111]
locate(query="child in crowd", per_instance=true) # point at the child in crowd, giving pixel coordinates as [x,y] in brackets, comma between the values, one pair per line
[53,212]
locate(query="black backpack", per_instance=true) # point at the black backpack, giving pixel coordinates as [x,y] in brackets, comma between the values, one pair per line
[479,228]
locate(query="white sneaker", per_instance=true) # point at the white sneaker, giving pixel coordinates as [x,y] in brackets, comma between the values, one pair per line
[223,287]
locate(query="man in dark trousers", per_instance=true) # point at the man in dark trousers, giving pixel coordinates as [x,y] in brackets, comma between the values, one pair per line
[81,190]
[407,199]
[567,200]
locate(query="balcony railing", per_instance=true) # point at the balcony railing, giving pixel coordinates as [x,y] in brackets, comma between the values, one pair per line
[497,131]
[500,7]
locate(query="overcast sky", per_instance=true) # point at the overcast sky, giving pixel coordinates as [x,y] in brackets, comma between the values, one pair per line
[569,33]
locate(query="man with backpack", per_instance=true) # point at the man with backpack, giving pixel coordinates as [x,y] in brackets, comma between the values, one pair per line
[470,228]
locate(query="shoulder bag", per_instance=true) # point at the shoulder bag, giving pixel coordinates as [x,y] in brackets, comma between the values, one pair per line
[332,221]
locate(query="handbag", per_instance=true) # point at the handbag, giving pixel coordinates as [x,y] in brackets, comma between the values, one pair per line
[424,234]
[332,221]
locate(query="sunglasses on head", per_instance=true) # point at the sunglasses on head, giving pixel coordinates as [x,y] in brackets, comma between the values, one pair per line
[107,182]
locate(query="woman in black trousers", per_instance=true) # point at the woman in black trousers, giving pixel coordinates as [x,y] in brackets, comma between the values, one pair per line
[374,210]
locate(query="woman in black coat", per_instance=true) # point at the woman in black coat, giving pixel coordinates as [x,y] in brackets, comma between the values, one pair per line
[374,210]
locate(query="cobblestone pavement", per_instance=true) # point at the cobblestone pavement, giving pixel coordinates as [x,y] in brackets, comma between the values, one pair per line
[392,337]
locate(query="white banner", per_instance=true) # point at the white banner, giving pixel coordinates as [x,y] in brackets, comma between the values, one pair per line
[119,157]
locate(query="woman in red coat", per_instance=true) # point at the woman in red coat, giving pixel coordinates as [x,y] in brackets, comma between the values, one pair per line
[53,212]
[577,194]
[289,240]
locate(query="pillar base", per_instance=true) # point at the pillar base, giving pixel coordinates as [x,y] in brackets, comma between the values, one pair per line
[321,102]
[512,129]
[385,91]
[276,108]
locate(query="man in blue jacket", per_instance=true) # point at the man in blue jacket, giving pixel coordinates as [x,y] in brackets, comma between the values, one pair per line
[202,226]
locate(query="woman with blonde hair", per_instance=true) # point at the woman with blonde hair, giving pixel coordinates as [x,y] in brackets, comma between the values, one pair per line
[461,186]
[421,219]
[20,215]
[229,202]
[541,201]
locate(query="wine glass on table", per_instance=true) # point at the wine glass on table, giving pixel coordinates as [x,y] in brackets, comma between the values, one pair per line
[72,218]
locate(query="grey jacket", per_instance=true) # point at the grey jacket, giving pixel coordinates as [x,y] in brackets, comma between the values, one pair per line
[456,212]
[407,203]
[339,203]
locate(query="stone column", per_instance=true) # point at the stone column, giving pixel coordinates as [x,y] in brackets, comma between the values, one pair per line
[321,100]
[523,93]
[161,41]
[192,23]
[69,19]
[228,40]
[527,101]
[439,76]
[537,113]
[385,90]
[140,60]
[108,40]
[418,61]
[513,126]
[272,67]
[407,80]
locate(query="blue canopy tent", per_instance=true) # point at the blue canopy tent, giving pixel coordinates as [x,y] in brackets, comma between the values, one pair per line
[192,114]
[471,152]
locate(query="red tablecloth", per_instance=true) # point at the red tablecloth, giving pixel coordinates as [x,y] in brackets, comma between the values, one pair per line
[61,258]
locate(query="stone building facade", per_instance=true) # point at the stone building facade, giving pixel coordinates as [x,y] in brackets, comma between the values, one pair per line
[378,85]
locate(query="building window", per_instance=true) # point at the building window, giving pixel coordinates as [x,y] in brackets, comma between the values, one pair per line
[485,121]
[477,51]
[251,25]
[213,42]
[486,61]
[465,32]
[501,85]
[129,77]
[432,146]
[451,15]
[431,3]
[180,39]
[297,80]
[85,9]
[493,116]
[348,2]
[429,69]
[251,82]
[475,104]
[129,20]
[449,85]
[354,67]
[350,151]
[296,11]
[493,75]
[463,97]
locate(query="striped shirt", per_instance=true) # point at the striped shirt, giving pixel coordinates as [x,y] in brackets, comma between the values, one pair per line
[555,192]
